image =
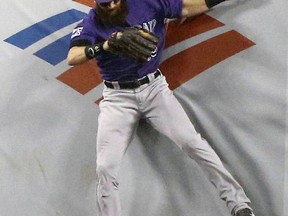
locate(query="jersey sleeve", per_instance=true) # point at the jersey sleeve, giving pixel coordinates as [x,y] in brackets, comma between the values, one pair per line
[171,8]
[83,34]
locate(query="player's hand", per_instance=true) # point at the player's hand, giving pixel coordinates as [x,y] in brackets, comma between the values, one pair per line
[133,42]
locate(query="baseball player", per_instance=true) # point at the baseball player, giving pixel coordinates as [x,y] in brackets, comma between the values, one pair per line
[126,38]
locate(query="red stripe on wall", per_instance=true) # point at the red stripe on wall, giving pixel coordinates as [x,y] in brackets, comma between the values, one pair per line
[89,3]
[83,78]
[187,64]
[178,31]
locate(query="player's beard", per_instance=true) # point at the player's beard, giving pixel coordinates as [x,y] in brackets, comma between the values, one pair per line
[115,17]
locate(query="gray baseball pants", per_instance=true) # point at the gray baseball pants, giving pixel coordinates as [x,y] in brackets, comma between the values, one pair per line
[120,111]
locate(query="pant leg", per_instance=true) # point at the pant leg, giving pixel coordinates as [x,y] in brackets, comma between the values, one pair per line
[117,122]
[166,114]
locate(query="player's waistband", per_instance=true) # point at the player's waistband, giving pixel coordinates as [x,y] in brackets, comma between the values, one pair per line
[133,84]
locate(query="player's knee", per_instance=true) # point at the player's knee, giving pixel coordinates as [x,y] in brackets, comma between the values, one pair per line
[186,142]
[193,144]
[106,189]
[106,183]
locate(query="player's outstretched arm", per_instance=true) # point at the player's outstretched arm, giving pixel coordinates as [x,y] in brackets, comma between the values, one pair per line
[132,42]
[196,7]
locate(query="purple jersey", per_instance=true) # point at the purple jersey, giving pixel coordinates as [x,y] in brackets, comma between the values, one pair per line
[148,14]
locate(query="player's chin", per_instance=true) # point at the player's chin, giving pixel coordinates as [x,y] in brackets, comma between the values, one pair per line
[113,13]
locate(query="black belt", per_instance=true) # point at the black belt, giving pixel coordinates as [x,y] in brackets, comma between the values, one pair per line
[130,84]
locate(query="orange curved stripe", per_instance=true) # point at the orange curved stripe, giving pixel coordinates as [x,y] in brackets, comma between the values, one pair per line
[89,3]
[178,31]
[82,78]
[185,65]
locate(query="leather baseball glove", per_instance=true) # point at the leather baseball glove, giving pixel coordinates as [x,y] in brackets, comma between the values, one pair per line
[133,42]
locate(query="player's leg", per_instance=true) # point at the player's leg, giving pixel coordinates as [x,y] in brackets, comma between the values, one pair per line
[167,116]
[117,121]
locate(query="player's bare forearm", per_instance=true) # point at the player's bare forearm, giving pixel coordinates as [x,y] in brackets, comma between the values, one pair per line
[196,7]
[76,55]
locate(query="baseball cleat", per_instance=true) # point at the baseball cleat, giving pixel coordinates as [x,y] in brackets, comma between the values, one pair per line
[245,212]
